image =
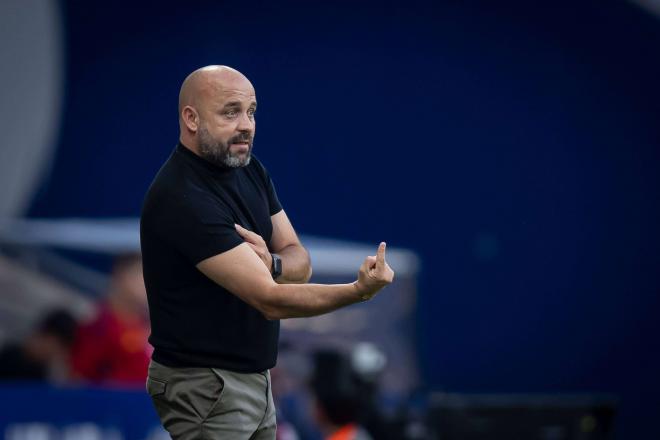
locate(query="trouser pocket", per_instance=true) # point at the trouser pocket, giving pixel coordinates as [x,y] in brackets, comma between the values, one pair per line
[156,387]
[183,393]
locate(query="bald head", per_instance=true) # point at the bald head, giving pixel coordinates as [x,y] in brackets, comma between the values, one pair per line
[207,81]
[216,115]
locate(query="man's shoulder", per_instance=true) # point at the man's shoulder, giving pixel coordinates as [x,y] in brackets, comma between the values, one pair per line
[172,201]
[174,183]
[171,174]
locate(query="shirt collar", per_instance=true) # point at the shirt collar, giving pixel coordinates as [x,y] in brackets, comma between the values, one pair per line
[200,162]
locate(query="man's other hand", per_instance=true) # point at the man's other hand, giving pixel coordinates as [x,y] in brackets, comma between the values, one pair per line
[257,244]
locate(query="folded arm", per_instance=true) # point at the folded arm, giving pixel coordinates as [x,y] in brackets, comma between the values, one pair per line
[242,272]
[296,264]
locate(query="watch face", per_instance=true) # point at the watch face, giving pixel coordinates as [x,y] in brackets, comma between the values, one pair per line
[277,265]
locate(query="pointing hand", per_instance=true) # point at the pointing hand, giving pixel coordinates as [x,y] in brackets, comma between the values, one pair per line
[374,274]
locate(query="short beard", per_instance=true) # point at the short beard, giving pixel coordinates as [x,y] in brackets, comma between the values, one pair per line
[218,153]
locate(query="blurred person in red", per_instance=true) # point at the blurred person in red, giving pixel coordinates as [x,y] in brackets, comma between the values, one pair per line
[112,348]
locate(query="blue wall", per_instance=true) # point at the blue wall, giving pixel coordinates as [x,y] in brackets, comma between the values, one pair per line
[39,411]
[514,146]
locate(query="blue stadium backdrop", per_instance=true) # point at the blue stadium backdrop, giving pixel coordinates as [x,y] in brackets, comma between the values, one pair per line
[514,145]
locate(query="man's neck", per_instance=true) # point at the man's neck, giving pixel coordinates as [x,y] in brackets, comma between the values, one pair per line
[190,144]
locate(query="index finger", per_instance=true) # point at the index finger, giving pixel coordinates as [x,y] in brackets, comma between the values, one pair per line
[380,255]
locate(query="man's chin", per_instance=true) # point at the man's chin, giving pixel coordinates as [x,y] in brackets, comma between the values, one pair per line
[238,160]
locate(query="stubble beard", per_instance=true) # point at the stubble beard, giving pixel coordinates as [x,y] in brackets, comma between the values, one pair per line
[219,153]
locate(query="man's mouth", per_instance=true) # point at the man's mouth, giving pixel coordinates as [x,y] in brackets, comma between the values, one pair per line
[242,145]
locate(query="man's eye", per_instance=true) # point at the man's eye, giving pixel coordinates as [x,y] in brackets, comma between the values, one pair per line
[251,113]
[231,114]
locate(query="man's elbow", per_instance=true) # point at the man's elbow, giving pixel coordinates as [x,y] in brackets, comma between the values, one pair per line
[308,275]
[272,315]
[307,269]
[305,277]
[269,306]
[301,275]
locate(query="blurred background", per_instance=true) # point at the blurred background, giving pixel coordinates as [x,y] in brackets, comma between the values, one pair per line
[508,152]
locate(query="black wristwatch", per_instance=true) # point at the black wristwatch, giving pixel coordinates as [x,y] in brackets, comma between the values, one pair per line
[276,269]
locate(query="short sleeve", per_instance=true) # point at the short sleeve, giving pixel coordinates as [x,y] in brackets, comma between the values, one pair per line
[273,201]
[274,205]
[199,228]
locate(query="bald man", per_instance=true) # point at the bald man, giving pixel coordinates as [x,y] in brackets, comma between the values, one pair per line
[222,265]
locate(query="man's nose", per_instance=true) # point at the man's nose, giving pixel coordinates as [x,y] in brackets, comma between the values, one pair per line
[245,123]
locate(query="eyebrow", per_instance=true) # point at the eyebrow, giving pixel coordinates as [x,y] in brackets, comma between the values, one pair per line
[239,104]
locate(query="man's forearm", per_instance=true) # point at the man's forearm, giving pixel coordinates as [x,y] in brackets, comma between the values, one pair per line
[296,265]
[242,272]
[303,300]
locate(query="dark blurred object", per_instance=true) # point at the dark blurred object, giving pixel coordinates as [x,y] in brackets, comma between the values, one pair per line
[542,417]
[43,355]
[112,348]
[341,397]
[347,391]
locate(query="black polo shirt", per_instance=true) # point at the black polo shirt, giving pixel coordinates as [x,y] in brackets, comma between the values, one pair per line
[188,215]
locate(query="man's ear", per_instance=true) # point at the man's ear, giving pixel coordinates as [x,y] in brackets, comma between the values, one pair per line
[190,118]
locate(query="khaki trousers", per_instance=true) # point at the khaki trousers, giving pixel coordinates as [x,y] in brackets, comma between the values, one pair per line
[210,403]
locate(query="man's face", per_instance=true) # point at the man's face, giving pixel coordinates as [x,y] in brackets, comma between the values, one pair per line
[227,125]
